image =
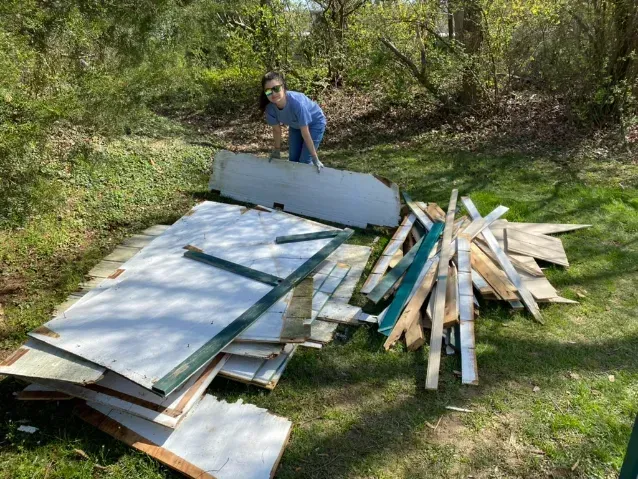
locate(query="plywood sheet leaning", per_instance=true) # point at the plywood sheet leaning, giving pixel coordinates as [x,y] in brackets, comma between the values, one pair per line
[436,338]
[118,392]
[394,246]
[217,440]
[539,246]
[469,370]
[36,359]
[340,196]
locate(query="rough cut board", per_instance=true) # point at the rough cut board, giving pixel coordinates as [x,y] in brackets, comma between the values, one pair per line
[345,197]
[117,392]
[36,359]
[538,246]
[163,307]
[217,440]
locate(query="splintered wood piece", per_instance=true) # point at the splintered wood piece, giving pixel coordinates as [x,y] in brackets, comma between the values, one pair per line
[493,275]
[436,338]
[506,264]
[391,248]
[469,369]
[414,336]
[543,247]
[411,312]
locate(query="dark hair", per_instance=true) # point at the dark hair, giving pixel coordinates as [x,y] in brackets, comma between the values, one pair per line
[263,99]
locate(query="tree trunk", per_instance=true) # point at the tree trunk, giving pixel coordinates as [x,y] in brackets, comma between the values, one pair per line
[472,40]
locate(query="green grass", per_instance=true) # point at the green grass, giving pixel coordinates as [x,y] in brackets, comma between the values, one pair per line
[359,411]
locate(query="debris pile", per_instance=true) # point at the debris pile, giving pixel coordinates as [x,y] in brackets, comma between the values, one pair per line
[435,262]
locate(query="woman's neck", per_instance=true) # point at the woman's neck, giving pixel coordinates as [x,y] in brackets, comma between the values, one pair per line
[281,104]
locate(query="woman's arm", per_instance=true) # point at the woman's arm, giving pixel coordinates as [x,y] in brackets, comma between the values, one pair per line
[305,133]
[276,133]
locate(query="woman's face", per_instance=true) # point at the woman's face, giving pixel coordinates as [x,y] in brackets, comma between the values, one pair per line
[271,87]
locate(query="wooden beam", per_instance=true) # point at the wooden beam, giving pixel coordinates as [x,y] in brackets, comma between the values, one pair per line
[476,226]
[496,278]
[436,337]
[180,374]
[418,212]
[506,264]
[414,336]
[233,267]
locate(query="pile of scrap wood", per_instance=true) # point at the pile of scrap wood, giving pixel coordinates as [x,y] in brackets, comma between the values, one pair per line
[227,290]
[434,263]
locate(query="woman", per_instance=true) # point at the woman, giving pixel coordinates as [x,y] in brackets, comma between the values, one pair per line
[304,117]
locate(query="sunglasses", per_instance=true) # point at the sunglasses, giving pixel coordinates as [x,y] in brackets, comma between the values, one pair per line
[275,89]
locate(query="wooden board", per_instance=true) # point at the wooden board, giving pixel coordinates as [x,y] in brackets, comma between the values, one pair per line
[262,373]
[451,297]
[535,228]
[36,359]
[218,440]
[476,226]
[35,392]
[469,370]
[296,326]
[495,277]
[418,212]
[542,247]
[254,350]
[117,392]
[155,316]
[414,336]
[345,197]
[393,247]
[436,338]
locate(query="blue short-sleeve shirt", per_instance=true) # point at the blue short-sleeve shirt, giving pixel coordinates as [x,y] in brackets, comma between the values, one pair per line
[299,111]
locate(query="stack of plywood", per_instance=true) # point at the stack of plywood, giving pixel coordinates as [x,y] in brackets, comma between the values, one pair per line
[435,264]
[227,290]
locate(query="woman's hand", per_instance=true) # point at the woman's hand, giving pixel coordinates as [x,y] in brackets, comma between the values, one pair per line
[275,155]
[317,163]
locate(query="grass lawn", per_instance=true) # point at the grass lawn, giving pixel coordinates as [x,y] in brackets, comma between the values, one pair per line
[358,411]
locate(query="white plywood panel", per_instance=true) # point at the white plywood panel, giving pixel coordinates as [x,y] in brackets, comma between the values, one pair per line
[36,359]
[339,196]
[217,440]
[164,306]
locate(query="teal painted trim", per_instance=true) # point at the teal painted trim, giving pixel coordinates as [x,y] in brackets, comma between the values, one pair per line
[234,268]
[391,277]
[629,468]
[306,237]
[411,277]
[196,361]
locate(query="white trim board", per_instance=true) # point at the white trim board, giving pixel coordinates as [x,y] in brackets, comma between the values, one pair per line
[345,197]
[156,316]
[218,440]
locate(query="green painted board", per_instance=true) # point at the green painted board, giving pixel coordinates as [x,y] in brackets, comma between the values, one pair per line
[306,237]
[629,468]
[403,293]
[391,277]
[182,372]
[234,267]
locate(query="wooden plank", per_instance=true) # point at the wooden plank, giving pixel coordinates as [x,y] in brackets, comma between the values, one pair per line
[451,297]
[194,362]
[434,211]
[234,267]
[299,312]
[227,440]
[254,350]
[537,228]
[436,338]
[344,197]
[393,246]
[392,277]
[36,359]
[482,286]
[402,296]
[418,212]
[520,262]
[542,247]
[469,369]
[493,275]
[396,257]
[505,263]
[414,336]
[306,237]
[35,392]
[474,228]
[268,379]
[411,312]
